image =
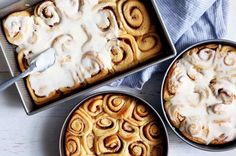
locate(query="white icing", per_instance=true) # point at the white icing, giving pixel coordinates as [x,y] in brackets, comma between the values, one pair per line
[44,60]
[206,97]
[72,38]
[19,27]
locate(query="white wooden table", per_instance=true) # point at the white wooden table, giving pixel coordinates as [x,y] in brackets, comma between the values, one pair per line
[38,135]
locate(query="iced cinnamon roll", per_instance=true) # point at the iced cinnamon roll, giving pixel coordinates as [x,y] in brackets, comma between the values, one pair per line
[92,68]
[18,27]
[134,17]
[110,131]
[199,94]
[71,8]
[109,23]
[123,52]
[48,12]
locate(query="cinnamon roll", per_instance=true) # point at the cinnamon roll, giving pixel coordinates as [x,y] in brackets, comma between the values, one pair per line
[134,17]
[73,146]
[117,105]
[138,148]
[71,8]
[110,131]
[201,58]
[110,144]
[199,94]
[105,124]
[18,27]
[80,124]
[94,106]
[88,143]
[108,24]
[128,131]
[92,68]
[151,133]
[123,52]
[149,46]
[139,114]
[48,12]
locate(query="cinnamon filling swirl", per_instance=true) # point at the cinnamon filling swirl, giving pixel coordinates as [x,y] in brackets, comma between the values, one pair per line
[110,131]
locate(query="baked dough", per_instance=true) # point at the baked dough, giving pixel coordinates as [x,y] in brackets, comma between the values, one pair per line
[93,40]
[113,124]
[199,94]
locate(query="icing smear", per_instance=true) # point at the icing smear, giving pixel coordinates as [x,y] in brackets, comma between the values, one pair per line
[73,38]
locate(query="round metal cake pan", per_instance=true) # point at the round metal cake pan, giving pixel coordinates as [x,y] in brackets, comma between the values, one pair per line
[212,148]
[157,116]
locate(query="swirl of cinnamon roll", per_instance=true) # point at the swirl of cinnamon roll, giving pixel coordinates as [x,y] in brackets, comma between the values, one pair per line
[177,76]
[134,17]
[48,12]
[217,109]
[223,89]
[94,106]
[88,143]
[123,52]
[127,131]
[24,58]
[202,58]
[71,8]
[138,148]
[201,95]
[149,46]
[110,144]
[107,21]
[151,133]
[139,114]
[80,124]
[195,127]
[230,59]
[105,124]
[73,145]
[63,44]
[174,113]
[116,105]
[92,67]
[18,27]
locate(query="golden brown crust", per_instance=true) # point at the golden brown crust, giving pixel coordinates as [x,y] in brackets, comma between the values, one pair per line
[113,131]
[135,43]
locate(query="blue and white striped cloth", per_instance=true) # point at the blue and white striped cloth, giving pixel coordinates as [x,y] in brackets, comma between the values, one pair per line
[187,21]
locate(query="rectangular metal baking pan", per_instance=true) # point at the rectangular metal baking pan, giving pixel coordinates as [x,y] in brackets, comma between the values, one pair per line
[10,56]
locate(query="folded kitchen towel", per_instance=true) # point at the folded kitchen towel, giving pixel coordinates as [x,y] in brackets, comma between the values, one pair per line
[187,21]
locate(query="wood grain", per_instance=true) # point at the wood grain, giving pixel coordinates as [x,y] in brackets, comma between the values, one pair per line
[38,135]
